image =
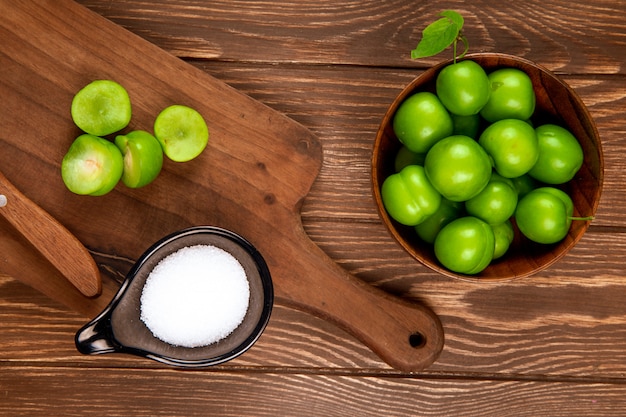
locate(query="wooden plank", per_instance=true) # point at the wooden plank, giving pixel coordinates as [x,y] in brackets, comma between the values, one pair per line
[44,390]
[563,35]
[568,321]
[550,345]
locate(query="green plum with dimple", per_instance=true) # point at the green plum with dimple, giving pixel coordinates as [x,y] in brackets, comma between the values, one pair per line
[560,155]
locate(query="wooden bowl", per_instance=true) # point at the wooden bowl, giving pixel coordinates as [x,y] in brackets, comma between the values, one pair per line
[556,103]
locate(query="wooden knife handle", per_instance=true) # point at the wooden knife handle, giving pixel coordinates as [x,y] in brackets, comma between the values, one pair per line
[60,247]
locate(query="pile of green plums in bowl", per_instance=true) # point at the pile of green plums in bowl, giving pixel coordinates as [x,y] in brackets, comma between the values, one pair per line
[488,168]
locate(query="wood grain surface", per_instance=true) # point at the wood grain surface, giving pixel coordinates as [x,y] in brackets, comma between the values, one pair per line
[251,179]
[551,345]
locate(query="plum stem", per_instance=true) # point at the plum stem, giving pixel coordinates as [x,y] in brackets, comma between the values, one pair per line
[463,39]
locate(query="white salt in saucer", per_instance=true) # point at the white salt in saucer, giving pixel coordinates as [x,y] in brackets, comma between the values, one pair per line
[195,337]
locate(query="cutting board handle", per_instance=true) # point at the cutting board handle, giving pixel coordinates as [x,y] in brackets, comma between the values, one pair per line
[408,336]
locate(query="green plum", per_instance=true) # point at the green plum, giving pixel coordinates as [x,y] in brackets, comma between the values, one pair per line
[182,132]
[560,155]
[101,107]
[406,157]
[497,177]
[143,158]
[463,87]
[466,125]
[92,166]
[512,96]
[458,167]
[420,121]
[430,228]
[408,197]
[494,204]
[504,234]
[523,185]
[465,245]
[544,215]
[512,145]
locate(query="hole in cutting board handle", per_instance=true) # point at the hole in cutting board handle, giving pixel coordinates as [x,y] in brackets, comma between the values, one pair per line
[417,340]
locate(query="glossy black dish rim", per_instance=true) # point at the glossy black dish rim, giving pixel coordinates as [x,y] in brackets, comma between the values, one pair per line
[104,329]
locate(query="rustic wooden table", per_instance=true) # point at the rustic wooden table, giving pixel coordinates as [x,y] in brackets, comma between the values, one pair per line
[553,344]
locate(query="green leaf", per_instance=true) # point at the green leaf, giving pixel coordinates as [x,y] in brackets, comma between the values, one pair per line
[454,17]
[439,35]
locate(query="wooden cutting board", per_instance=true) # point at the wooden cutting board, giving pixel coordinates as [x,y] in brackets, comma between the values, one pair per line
[252,178]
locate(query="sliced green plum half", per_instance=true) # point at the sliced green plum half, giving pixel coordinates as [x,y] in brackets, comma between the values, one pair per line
[92,166]
[182,132]
[101,107]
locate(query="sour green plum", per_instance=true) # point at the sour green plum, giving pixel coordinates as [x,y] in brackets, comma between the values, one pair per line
[420,121]
[408,196]
[463,87]
[458,167]
[430,228]
[523,185]
[406,157]
[512,145]
[466,125]
[560,155]
[544,215]
[504,234]
[494,204]
[512,96]
[465,245]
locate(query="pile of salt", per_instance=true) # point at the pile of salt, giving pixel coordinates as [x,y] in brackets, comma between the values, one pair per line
[196,296]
